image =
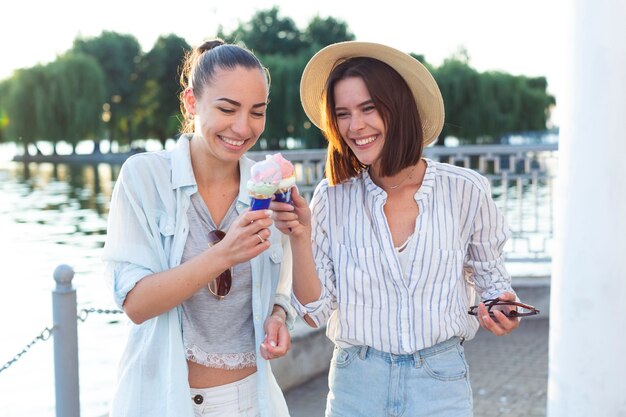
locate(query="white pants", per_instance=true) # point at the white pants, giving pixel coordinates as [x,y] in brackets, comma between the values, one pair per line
[237,399]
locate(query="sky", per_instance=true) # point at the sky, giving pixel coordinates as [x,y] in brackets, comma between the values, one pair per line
[519,37]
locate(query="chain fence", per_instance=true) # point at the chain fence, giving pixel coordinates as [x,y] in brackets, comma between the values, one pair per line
[46,333]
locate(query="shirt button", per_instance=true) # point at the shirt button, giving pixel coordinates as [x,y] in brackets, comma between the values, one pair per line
[257,317]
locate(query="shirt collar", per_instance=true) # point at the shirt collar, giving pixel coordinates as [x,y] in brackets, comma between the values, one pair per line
[182,170]
[425,189]
[245,164]
[428,183]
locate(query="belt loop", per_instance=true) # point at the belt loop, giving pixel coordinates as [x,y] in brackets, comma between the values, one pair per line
[243,396]
[417,359]
[363,352]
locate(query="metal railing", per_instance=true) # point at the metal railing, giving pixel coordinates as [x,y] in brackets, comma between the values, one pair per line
[64,332]
[521,176]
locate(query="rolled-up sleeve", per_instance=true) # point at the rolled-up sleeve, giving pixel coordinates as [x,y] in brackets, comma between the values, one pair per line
[283,289]
[131,251]
[320,310]
[485,253]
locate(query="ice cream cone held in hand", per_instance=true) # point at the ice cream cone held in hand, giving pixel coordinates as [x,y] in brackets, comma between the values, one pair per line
[264,179]
[288,179]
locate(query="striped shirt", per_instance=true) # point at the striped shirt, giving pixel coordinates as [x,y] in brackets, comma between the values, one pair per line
[457,246]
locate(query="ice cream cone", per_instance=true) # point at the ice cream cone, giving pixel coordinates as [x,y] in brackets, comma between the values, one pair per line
[288,179]
[264,178]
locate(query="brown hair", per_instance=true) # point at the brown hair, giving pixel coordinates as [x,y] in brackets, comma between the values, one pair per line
[199,66]
[394,101]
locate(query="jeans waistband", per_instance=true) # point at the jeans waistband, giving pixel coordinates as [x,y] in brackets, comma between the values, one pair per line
[365,351]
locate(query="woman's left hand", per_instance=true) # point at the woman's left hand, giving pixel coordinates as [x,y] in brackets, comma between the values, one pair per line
[277,338]
[500,325]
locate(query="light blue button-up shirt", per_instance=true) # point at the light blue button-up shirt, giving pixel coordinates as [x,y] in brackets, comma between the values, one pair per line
[147,230]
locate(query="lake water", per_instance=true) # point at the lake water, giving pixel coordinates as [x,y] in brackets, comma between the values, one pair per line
[51,215]
[55,214]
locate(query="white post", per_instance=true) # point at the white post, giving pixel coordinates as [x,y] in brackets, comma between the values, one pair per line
[588,294]
[65,344]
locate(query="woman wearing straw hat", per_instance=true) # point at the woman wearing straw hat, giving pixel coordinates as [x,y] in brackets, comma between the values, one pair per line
[394,238]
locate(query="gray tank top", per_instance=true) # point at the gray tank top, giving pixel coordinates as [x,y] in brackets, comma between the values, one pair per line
[217,333]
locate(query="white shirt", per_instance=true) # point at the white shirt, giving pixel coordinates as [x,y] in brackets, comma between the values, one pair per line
[366,298]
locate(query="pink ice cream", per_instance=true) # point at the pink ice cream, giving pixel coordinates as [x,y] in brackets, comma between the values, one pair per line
[264,179]
[288,180]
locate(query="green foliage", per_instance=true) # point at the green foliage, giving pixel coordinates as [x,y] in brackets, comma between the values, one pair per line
[267,33]
[322,32]
[26,95]
[119,56]
[59,101]
[285,50]
[158,110]
[77,91]
[483,107]
[285,117]
[4,117]
[65,99]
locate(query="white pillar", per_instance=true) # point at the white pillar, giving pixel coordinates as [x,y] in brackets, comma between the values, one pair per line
[587,375]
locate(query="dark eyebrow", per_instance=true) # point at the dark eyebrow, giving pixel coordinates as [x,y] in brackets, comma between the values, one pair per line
[238,104]
[365,103]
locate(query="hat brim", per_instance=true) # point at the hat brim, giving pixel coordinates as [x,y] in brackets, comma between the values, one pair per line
[422,84]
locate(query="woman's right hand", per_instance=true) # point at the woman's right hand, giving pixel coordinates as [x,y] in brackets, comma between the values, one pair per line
[292,219]
[247,237]
[155,294]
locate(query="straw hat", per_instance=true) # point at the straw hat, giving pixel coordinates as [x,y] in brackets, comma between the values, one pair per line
[423,85]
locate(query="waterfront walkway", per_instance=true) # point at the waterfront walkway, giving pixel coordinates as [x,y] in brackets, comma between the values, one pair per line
[509,375]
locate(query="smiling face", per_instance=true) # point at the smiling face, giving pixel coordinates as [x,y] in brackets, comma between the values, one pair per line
[359,122]
[230,112]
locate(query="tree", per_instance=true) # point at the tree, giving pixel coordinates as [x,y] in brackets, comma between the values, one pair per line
[4,117]
[58,101]
[285,118]
[119,56]
[459,85]
[534,99]
[78,90]
[26,98]
[285,50]
[484,107]
[322,32]
[267,33]
[158,110]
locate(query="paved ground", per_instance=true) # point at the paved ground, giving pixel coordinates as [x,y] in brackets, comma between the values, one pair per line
[509,375]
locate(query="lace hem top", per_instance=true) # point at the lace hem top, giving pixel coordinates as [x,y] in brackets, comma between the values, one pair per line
[217,333]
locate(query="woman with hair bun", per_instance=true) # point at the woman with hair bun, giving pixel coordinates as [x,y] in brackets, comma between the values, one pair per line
[205,281]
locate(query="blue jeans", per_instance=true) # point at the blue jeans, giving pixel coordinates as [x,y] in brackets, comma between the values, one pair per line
[433,382]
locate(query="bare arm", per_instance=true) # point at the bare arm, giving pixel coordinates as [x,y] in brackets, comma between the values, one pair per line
[162,291]
[295,221]
[277,338]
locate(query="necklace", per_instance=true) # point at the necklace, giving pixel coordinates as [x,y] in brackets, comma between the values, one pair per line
[393,187]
